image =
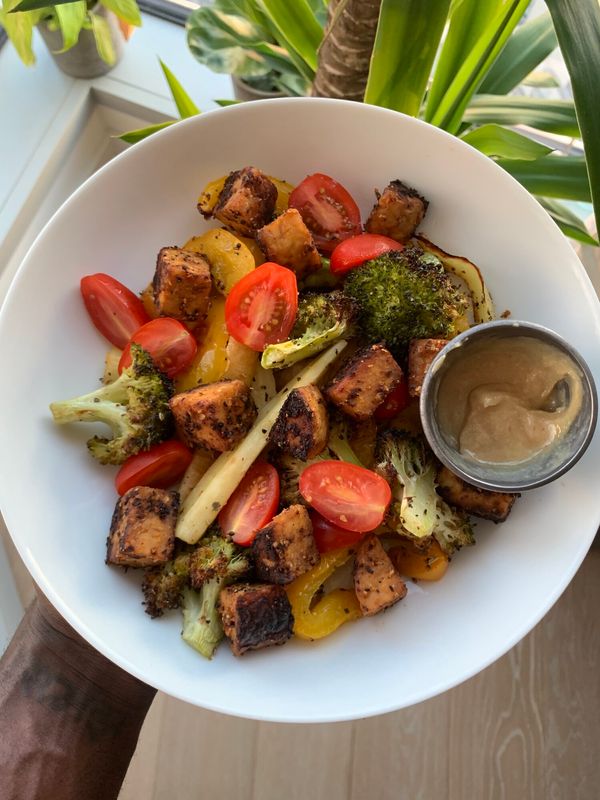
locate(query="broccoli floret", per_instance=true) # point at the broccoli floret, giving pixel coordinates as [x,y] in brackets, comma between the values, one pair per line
[406,461]
[163,586]
[339,439]
[452,528]
[213,565]
[290,469]
[322,278]
[321,320]
[404,295]
[411,467]
[135,406]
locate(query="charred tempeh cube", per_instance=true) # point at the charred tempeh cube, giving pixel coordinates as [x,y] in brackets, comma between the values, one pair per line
[255,616]
[302,426]
[421,353]
[364,382]
[215,416]
[479,502]
[142,531]
[288,242]
[398,212]
[376,582]
[181,284]
[286,547]
[246,202]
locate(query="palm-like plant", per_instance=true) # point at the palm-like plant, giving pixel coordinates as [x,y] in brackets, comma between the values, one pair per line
[453,63]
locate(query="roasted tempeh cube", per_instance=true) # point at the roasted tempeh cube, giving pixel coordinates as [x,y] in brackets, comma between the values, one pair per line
[288,242]
[246,202]
[142,531]
[302,426]
[479,502]
[398,212]
[181,284]
[215,416]
[364,382]
[376,582]
[255,616]
[421,353]
[286,547]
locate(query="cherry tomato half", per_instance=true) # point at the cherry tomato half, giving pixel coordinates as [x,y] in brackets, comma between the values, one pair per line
[261,308]
[159,467]
[168,341]
[351,497]
[114,309]
[252,505]
[329,537]
[356,250]
[328,210]
[396,401]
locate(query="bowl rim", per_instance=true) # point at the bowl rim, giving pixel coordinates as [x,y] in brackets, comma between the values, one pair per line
[446,453]
[72,615]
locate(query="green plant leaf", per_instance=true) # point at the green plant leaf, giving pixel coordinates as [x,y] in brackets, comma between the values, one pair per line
[33,5]
[496,141]
[577,24]
[127,10]
[528,46]
[102,35]
[467,22]
[225,103]
[185,105]
[569,223]
[553,116]
[226,43]
[132,137]
[563,177]
[71,17]
[449,112]
[19,29]
[541,79]
[408,33]
[297,27]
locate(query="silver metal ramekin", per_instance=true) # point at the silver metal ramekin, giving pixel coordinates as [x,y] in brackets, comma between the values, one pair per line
[536,471]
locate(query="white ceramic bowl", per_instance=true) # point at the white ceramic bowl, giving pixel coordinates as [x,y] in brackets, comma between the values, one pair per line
[57,501]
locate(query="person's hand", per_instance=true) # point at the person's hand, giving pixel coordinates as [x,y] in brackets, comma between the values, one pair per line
[70,717]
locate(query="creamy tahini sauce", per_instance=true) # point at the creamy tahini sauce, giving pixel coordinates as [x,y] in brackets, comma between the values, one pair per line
[493,399]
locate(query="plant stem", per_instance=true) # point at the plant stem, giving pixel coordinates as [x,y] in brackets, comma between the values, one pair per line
[345,53]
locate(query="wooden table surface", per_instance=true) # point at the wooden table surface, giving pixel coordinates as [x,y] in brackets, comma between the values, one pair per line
[527,728]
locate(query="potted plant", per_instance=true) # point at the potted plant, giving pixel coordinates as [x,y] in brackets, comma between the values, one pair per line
[242,38]
[84,37]
[458,64]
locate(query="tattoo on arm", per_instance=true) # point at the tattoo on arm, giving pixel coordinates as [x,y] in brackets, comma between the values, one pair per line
[57,692]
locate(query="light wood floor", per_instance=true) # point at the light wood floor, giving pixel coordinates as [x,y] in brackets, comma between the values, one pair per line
[528,728]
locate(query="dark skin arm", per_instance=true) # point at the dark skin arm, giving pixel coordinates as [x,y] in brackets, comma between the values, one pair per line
[69,718]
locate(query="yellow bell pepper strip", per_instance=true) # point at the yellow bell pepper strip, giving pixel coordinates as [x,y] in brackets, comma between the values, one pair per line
[429,564]
[210,195]
[210,362]
[332,610]
[284,190]
[147,298]
[229,258]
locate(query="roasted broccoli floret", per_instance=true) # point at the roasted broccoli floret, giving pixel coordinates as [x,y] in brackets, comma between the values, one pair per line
[163,586]
[410,466]
[213,565]
[321,320]
[290,469]
[339,439]
[135,406]
[322,278]
[405,460]
[452,528]
[404,295]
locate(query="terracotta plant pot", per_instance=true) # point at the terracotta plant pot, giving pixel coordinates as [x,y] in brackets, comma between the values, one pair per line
[83,59]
